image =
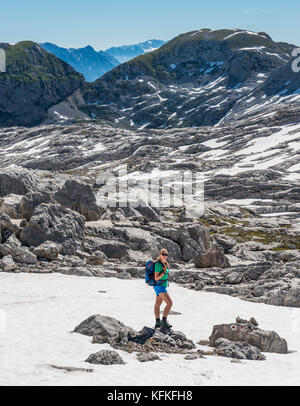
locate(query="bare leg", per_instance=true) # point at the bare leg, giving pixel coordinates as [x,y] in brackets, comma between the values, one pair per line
[167,299]
[157,307]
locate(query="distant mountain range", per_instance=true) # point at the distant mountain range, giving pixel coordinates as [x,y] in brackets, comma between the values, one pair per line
[86,60]
[93,64]
[127,52]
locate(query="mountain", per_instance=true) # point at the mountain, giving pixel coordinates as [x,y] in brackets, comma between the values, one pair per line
[126,52]
[35,80]
[85,60]
[198,78]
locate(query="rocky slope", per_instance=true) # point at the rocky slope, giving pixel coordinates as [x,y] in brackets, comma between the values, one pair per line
[199,78]
[34,81]
[90,63]
[245,244]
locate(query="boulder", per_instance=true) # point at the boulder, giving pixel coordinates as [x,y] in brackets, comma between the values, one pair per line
[148,357]
[10,205]
[48,250]
[213,258]
[147,211]
[195,355]
[238,350]
[7,228]
[104,329]
[7,264]
[54,223]
[17,180]
[242,330]
[95,260]
[110,248]
[225,241]
[20,254]
[79,196]
[105,357]
[31,200]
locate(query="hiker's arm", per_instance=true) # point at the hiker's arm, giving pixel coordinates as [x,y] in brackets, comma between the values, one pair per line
[159,274]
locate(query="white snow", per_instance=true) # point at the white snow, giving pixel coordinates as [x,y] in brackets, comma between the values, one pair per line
[42,310]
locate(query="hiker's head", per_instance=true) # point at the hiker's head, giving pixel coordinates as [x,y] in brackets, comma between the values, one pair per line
[163,255]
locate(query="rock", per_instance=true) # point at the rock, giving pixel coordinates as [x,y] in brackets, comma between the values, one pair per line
[48,250]
[212,258]
[237,349]
[17,180]
[74,271]
[55,223]
[78,196]
[265,341]
[123,275]
[20,254]
[104,329]
[7,228]
[7,264]
[194,356]
[31,200]
[147,211]
[147,357]
[254,322]
[235,278]
[105,357]
[224,241]
[10,205]
[112,249]
[95,260]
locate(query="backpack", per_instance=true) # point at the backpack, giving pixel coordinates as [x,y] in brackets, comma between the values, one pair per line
[149,274]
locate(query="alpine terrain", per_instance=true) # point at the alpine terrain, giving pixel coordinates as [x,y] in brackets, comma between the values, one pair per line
[223,104]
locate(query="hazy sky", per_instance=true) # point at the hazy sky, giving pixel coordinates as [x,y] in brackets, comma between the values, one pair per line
[102,24]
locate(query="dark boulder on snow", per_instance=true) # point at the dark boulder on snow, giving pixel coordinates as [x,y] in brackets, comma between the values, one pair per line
[105,357]
[238,350]
[104,329]
[245,331]
[148,357]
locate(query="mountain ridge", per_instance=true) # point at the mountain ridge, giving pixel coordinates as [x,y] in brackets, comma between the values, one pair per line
[195,79]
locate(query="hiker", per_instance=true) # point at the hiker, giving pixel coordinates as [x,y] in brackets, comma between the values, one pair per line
[161,272]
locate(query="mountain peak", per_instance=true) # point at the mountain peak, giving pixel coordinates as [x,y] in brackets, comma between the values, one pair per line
[195,79]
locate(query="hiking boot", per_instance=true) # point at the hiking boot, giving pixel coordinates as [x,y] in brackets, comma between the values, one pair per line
[165,324]
[157,324]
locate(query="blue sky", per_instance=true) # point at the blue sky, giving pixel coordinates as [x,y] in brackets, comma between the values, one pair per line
[74,23]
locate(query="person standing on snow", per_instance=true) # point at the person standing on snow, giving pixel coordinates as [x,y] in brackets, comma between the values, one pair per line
[161,273]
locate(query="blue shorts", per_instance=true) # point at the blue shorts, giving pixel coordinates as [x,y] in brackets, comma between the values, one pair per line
[160,289]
